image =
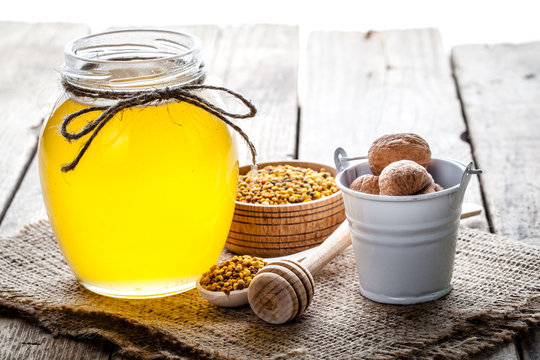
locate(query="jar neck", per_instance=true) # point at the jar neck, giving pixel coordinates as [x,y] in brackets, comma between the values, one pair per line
[134,60]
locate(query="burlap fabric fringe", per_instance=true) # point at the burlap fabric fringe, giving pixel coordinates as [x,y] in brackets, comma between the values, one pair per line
[496,295]
[129,99]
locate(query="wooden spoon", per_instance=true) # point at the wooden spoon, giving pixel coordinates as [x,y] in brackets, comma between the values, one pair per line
[234,299]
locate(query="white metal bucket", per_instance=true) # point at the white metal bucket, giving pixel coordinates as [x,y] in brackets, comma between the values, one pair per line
[404,245]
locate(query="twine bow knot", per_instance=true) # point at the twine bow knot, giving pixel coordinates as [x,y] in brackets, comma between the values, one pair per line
[127,100]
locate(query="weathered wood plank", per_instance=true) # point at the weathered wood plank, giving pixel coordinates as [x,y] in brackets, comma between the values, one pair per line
[27,206]
[360,86]
[29,54]
[20,339]
[500,90]
[243,58]
[261,62]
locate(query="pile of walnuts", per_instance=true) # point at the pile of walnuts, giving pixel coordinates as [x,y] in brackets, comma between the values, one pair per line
[399,165]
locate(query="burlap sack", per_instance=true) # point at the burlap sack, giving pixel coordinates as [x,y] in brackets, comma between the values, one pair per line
[496,294]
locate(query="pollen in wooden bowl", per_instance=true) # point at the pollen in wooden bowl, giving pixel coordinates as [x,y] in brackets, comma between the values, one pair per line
[283,210]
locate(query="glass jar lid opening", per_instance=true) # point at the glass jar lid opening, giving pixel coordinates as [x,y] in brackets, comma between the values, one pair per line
[133,59]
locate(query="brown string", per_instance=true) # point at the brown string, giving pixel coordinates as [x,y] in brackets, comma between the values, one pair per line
[128,99]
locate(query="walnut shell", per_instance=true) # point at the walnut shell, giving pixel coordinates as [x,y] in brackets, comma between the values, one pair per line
[394,147]
[367,183]
[404,177]
[432,188]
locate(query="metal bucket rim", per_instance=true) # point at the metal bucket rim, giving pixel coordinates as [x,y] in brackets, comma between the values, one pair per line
[388,198]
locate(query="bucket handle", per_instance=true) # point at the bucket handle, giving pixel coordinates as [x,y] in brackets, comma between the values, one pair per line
[342,161]
[469,171]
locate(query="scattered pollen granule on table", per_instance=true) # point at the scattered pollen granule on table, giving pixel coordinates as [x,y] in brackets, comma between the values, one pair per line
[285,184]
[233,274]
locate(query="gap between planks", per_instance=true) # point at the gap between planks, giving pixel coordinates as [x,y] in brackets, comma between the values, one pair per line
[467,135]
[392,81]
[500,91]
[17,185]
[28,88]
[32,52]
[359,87]
[500,87]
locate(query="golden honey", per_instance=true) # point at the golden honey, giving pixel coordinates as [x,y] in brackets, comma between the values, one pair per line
[148,208]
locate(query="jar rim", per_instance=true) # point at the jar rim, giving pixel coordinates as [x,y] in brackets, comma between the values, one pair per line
[134,59]
[71,47]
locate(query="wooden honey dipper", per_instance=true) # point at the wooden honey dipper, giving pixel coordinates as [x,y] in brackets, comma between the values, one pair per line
[283,289]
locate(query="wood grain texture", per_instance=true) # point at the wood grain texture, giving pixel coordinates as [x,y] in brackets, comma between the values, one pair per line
[20,339]
[333,246]
[360,86]
[27,205]
[259,61]
[29,55]
[410,91]
[500,89]
[297,282]
[273,298]
[278,230]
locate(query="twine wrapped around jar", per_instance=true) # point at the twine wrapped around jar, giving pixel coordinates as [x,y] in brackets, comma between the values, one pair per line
[129,99]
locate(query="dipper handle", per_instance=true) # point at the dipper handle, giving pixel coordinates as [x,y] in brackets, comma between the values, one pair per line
[282,290]
[329,249]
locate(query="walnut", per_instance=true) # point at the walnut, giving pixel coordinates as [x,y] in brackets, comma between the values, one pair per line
[394,147]
[367,184]
[432,188]
[404,177]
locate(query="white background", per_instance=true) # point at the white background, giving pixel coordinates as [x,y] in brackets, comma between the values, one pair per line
[460,21]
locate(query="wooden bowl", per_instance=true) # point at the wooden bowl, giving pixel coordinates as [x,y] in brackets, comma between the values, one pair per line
[278,230]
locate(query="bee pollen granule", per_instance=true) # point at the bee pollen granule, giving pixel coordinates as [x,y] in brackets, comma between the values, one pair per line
[284,184]
[233,274]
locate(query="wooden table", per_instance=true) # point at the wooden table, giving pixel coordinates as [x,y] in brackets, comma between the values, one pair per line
[336,89]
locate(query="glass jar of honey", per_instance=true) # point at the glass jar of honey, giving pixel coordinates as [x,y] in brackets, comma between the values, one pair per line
[148,207]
